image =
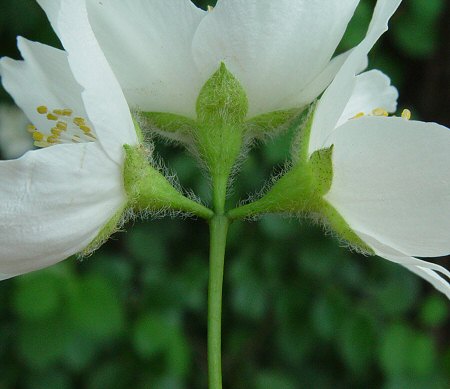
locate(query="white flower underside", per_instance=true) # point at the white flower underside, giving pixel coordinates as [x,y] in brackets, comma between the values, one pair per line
[391,181]
[176,47]
[56,200]
[205,39]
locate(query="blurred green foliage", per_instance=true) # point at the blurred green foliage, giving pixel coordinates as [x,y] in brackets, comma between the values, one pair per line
[299,311]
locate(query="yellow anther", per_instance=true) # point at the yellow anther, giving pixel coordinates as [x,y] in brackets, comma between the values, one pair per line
[79,121]
[58,112]
[62,126]
[85,129]
[76,139]
[56,131]
[358,115]
[406,114]
[67,112]
[380,112]
[50,116]
[42,109]
[41,144]
[31,128]
[38,136]
[52,139]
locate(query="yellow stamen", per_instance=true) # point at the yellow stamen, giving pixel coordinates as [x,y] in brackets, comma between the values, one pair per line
[67,112]
[50,116]
[406,114]
[79,121]
[58,112]
[62,126]
[38,136]
[31,128]
[42,109]
[358,115]
[380,112]
[41,144]
[52,139]
[210,8]
[56,131]
[85,129]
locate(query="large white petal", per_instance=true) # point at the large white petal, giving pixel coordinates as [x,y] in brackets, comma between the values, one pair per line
[43,78]
[391,181]
[53,203]
[372,90]
[275,48]
[51,8]
[103,99]
[335,98]
[148,44]
[319,84]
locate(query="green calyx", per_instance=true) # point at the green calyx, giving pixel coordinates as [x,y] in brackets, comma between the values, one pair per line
[170,126]
[105,233]
[148,190]
[221,130]
[302,189]
[222,100]
[222,106]
[270,124]
[321,166]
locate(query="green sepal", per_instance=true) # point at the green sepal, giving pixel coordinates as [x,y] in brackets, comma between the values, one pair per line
[110,228]
[138,130]
[301,143]
[321,165]
[222,106]
[271,123]
[301,189]
[222,100]
[337,224]
[172,126]
[148,190]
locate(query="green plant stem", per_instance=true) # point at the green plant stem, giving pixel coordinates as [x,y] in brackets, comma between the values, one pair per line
[218,227]
[218,237]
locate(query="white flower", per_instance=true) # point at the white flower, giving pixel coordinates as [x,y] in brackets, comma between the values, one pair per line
[55,201]
[391,176]
[163,52]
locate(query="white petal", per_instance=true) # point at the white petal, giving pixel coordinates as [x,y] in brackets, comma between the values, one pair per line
[335,99]
[14,141]
[43,78]
[148,44]
[103,99]
[391,254]
[53,203]
[432,277]
[51,8]
[275,48]
[372,90]
[391,181]
[319,84]
[427,270]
